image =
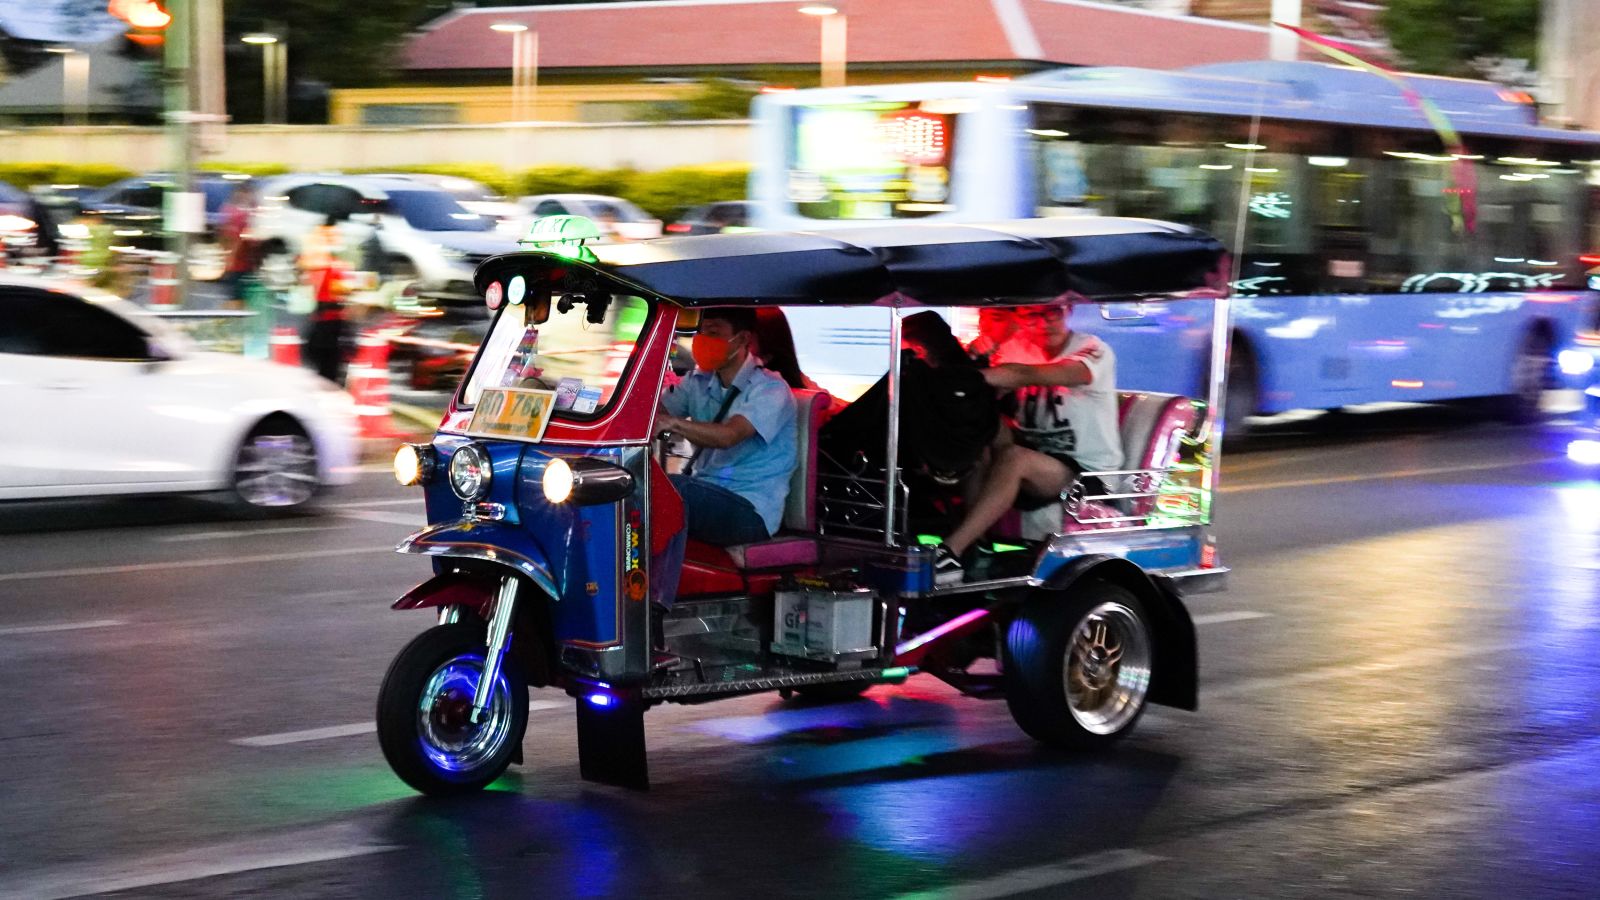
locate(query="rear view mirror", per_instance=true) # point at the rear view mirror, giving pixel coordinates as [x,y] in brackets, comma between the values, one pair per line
[688,321]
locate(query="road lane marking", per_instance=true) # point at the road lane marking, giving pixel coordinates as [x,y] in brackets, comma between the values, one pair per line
[1226,488]
[1236,616]
[85,879]
[192,563]
[222,535]
[410,520]
[1037,878]
[60,626]
[1410,660]
[351,730]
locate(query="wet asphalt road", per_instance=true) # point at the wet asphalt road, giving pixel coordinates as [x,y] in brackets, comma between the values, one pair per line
[1400,697]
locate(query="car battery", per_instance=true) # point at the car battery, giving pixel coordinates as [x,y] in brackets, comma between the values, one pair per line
[823,624]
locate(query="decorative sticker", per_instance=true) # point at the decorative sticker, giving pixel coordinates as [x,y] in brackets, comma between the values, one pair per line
[516,413]
[567,392]
[588,400]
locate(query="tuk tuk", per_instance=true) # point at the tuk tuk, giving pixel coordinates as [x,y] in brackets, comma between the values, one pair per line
[552,515]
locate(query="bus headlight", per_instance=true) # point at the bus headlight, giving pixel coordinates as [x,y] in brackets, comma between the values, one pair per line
[1584,453]
[1575,362]
[470,472]
[413,464]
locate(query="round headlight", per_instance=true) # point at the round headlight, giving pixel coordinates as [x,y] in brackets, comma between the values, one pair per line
[470,472]
[1575,362]
[557,480]
[407,465]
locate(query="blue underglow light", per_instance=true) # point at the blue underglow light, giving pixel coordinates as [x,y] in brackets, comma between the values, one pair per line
[603,701]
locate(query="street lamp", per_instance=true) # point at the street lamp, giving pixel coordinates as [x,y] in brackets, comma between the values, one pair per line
[524,69]
[274,75]
[833,41]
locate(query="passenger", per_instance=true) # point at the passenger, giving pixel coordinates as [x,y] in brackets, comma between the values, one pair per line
[774,348]
[1066,424]
[948,416]
[741,420]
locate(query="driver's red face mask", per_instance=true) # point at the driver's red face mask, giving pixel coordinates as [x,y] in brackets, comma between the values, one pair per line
[711,352]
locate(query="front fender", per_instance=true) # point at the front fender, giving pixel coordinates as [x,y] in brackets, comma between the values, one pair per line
[474,592]
[505,545]
[1176,679]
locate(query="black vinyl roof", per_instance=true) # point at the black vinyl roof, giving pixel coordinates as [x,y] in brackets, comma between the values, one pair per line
[1029,260]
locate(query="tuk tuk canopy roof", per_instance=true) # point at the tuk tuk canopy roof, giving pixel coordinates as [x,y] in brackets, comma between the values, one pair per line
[1029,260]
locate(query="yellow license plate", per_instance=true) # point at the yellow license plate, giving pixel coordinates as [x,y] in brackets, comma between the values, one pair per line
[516,413]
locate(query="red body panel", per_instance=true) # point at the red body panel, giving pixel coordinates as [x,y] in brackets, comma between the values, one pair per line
[450,590]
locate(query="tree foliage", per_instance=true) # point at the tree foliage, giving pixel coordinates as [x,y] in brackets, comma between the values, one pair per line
[1456,37]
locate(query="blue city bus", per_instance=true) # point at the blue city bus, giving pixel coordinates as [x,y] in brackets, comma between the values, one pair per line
[1363,272]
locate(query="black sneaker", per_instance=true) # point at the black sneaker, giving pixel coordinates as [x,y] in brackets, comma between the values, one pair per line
[947,568]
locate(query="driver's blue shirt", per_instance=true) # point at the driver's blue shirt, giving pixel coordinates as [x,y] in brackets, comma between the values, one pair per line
[758,467]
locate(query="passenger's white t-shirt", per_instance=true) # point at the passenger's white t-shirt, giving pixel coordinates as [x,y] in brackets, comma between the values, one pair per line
[1077,422]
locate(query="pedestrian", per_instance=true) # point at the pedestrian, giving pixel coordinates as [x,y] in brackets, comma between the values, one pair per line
[324,275]
[241,250]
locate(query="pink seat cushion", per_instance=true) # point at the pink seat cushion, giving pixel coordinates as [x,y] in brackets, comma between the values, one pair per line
[781,552]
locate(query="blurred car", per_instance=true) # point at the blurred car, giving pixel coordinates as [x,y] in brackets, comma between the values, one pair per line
[510,217]
[103,398]
[133,206]
[713,218]
[423,233]
[16,222]
[618,218]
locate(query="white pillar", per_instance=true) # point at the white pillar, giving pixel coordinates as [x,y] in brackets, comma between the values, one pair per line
[1285,43]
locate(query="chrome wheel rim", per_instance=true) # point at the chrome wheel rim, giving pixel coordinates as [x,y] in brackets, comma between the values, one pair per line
[276,470]
[449,738]
[1107,668]
[1528,377]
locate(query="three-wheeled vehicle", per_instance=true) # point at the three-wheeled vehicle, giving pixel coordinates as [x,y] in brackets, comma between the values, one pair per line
[553,516]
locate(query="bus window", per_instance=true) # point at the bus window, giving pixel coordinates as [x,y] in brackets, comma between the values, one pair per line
[871,160]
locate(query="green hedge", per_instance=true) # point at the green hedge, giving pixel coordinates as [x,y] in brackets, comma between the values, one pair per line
[664,192]
[27,174]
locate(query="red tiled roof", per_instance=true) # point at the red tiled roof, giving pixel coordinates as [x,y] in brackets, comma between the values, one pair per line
[687,33]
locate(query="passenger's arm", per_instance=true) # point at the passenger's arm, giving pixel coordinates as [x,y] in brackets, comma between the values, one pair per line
[712,435]
[1066,373]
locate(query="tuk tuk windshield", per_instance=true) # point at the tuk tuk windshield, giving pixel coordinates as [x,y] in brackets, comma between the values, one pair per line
[581,360]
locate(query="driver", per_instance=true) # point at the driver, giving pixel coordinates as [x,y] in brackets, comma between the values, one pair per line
[741,420]
[1066,425]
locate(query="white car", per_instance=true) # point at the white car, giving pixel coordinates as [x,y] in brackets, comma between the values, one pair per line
[102,398]
[510,218]
[424,234]
[618,218]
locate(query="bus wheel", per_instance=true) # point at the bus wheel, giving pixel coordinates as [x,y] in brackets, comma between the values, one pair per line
[1244,391]
[1077,666]
[1530,375]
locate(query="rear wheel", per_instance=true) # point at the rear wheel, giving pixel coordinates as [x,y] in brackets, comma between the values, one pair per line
[425,706]
[275,470]
[1077,666]
[1531,374]
[1244,390]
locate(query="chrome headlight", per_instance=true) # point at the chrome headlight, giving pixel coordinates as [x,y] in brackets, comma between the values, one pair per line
[470,472]
[585,480]
[413,464]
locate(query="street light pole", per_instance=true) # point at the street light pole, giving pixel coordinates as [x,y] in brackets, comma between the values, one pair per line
[524,69]
[274,76]
[834,29]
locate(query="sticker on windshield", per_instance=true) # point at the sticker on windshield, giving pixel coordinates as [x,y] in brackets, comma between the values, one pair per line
[567,392]
[588,400]
[516,413]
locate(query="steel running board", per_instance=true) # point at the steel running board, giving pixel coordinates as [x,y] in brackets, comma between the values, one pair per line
[679,692]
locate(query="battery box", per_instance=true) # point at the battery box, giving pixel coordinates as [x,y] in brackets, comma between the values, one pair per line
[823,624]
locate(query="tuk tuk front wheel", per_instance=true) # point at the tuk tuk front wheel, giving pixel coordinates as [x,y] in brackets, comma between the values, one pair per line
[425,707]
[1077,666]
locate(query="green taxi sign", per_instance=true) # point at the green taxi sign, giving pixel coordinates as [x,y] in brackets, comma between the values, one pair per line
[564,236]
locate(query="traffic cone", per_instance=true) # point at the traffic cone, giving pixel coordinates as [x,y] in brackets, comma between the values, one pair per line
[164,281]
[367,380]
[285,343]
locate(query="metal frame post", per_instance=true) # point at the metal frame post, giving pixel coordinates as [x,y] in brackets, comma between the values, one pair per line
[891,454]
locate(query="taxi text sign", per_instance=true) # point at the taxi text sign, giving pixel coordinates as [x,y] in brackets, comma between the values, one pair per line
[516,413]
